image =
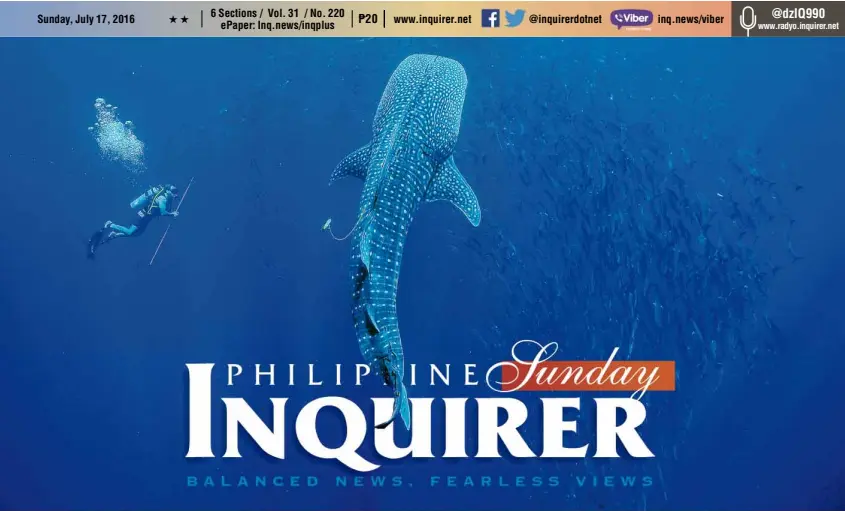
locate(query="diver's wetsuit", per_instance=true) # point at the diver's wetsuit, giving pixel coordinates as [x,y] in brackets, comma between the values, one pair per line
[137,226]
[152,203]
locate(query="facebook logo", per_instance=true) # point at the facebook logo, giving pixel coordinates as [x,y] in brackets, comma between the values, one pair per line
[490,18]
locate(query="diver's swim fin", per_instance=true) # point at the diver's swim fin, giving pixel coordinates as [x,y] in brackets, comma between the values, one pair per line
[97,239]
[94,242]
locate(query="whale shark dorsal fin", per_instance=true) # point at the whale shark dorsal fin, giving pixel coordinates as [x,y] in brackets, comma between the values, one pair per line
[448,184]
[354,164]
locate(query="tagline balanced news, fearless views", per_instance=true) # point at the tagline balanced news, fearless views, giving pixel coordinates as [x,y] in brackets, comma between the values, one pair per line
[606,375]
[433,481]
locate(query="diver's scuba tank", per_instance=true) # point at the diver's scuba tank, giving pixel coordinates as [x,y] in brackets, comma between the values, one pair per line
[144,198]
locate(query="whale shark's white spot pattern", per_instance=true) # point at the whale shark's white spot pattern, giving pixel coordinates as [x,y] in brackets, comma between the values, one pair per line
[414,134]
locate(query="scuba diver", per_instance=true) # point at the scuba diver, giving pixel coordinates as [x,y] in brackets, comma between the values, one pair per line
[156,201]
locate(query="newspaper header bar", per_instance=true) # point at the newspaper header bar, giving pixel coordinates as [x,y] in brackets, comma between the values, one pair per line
[417,19]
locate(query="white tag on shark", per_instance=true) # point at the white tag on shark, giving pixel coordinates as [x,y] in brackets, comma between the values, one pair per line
[448,184]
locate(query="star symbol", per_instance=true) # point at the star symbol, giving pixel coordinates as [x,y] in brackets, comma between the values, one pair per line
[173,19]
[184,19]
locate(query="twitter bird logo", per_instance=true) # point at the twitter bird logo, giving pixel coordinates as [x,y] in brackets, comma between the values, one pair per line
[515,18]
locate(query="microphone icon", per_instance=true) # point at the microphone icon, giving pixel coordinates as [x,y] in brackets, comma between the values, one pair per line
[747,26]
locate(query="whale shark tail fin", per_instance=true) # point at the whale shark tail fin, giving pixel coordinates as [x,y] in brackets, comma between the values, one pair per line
[449,185]
[401,407]
[404,406]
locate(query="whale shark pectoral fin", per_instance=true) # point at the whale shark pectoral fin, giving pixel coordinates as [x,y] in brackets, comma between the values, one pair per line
[448,184]
[354,164]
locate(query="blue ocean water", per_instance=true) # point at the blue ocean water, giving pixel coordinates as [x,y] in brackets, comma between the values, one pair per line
[591,160]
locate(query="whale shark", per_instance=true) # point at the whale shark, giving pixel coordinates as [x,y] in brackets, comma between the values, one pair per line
[407,162]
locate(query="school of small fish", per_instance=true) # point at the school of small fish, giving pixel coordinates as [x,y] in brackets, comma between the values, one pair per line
[630,234]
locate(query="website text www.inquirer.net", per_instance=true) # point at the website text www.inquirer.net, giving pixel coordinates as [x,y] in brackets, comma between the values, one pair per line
[432,20]
[790,27]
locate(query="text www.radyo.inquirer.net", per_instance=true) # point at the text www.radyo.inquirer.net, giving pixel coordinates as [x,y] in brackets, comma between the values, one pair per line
[792,27]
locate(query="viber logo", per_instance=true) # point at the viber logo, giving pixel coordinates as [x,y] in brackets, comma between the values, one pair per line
[631,18]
